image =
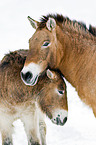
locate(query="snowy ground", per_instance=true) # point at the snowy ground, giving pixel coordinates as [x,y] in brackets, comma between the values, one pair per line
[15,31]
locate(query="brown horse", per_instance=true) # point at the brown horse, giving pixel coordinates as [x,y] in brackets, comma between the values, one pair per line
[68,46]
[28,103]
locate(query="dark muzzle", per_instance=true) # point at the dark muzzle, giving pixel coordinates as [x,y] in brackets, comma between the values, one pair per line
[26,77]
[59,122]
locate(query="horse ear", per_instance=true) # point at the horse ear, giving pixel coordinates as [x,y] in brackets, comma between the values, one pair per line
[51,24]
[51,74]
[33,22]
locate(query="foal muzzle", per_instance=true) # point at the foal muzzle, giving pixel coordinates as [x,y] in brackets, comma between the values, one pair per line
[60,117]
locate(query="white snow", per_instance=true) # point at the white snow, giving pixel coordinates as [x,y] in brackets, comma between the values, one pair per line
[15,30]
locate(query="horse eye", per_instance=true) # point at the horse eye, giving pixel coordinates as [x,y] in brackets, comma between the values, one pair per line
[45,44]
[61,92]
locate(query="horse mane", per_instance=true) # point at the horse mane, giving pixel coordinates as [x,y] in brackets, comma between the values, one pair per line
[65,20]
[16,57]
[44,19]
[92,30]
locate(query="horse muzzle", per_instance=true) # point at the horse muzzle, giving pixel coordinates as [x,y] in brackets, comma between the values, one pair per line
[59,122]
[28,78]
[60,117]
[30,74]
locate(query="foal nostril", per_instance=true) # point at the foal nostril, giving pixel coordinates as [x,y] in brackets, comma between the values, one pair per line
[27,76]
[59,122]
[65,119]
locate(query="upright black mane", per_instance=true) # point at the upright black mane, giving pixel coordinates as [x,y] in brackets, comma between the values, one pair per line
[57,17]
[92,30]
[61,19]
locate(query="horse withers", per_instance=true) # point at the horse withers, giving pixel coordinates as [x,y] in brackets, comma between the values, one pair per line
[18,101]
[66,45]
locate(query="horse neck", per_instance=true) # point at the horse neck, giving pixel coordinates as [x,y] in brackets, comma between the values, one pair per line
[74,52]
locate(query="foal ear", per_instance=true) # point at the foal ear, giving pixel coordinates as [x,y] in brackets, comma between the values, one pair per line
[51,24]
[51,74]
[33,22]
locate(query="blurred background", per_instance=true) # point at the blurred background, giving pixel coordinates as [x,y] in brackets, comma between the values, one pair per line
[15,31]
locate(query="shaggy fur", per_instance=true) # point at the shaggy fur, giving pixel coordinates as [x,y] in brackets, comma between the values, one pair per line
[18,101]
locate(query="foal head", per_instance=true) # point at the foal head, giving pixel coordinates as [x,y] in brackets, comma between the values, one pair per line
[49,93]
[52,98]
[42,46]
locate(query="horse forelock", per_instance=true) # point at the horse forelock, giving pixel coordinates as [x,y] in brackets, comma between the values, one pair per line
[66,21]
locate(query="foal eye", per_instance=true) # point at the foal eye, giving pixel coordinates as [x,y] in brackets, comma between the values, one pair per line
[61,92]
[45,44]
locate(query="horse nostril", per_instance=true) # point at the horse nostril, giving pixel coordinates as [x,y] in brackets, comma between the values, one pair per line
[65,119]
[58,121]
[27,76]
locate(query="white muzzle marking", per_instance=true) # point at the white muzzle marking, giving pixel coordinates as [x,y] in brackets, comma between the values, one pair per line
[35,70]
